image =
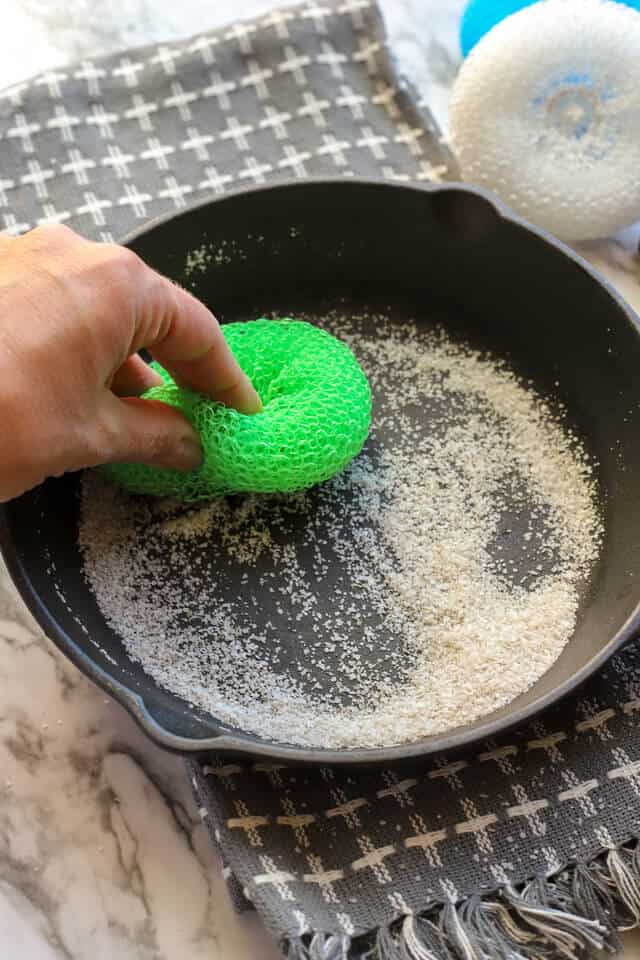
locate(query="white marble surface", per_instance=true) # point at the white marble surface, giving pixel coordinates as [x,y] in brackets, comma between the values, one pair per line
[102,855]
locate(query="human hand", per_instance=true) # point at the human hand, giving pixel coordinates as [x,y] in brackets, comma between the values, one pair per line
[73,315]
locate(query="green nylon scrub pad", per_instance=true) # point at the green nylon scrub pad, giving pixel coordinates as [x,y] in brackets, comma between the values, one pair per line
[315,418]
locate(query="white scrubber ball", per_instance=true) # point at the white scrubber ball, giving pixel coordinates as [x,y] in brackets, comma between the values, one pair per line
[546,113]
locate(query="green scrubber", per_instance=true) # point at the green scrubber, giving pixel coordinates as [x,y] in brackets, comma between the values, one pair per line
[315,418]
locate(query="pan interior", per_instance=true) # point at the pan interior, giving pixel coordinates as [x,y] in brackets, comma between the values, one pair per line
[323,617]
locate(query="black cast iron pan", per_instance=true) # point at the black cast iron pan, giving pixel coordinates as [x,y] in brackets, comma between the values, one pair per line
[447,252]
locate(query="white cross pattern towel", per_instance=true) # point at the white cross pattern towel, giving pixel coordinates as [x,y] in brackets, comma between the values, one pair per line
[107,144]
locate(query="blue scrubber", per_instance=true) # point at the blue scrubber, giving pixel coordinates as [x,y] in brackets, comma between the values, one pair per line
[481,15]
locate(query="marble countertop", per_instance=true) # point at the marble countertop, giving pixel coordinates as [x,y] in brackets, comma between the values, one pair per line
[96,823]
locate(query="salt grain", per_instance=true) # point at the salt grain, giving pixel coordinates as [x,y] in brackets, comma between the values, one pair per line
[434,580]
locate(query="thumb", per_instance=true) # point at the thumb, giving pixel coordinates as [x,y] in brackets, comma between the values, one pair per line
[151,432]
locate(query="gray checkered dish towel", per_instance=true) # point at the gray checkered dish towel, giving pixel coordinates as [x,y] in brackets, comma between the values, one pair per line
[525,848]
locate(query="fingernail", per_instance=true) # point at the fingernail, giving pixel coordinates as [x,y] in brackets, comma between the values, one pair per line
[153,379]
[251,402]
[189,455]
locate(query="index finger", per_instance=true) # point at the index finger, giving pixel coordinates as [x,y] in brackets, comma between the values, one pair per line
[185,337]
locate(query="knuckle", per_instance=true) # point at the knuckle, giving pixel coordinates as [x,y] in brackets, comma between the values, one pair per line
[51,234]
[123,263]
[105,443]
[158,447]
[121,272]
[123,440]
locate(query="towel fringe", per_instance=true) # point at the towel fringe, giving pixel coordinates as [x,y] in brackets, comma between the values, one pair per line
[572,914]
[318,946]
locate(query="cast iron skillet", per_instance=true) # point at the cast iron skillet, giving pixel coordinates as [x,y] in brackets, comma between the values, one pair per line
[448,252]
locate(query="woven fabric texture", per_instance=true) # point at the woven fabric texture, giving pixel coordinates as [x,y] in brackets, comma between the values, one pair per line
[105,145]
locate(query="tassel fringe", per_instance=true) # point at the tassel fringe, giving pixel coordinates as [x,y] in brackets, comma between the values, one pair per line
[574,914]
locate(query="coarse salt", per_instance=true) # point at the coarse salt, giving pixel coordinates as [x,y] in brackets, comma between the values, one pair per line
[435,579]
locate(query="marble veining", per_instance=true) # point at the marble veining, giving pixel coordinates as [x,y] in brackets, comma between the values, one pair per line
[102,854]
